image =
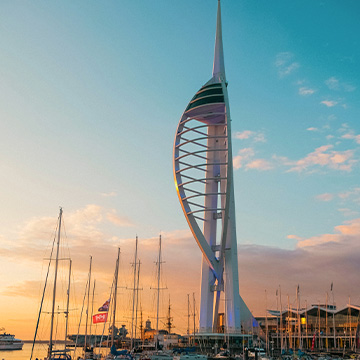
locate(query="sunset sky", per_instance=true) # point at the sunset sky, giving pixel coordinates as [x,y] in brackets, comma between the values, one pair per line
[90,96]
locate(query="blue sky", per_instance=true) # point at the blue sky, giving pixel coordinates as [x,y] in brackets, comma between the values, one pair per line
[91,93]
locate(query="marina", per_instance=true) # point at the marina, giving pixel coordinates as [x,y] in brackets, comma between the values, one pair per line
[135,268]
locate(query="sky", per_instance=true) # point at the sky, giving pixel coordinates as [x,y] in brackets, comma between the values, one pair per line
[90,97]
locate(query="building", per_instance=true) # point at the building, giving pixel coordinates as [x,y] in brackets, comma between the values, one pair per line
[320,327]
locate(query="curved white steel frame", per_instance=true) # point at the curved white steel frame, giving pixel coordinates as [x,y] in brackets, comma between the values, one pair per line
[203,174]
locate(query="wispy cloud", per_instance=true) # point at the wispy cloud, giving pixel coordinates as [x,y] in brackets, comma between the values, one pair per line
[353,195]
[259,164]
[348,200]
[348,212]
[325,197]
[351,136]
[349,228]
[245,159]
[256,136]
[312,129]
[323,156]
[109,194]
[285,64]
[334,83]
[294,237]
[329,103]
[117,220]
[304,91]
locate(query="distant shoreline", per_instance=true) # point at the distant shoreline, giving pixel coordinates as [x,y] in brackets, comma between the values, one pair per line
[42,342]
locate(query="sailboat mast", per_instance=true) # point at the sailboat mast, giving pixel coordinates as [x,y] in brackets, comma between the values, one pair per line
[169,318]
[92,312]
[158,293]
[326,323]
[54,290]
[281,323]
[88,301]
[194,315]
[115,296]
[188,328]
[67,305]
[137,297]
[298,316]
[266,326]
[134,294]
[141,324]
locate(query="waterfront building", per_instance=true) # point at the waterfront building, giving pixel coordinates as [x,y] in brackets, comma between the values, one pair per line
[320,327]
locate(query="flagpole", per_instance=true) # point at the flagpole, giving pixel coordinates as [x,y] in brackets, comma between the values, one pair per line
[326,324]
[277,321]
[281,323]
[332,292]
[307,340]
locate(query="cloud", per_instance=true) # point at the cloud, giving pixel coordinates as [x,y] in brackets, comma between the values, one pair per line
[304,91]
[347,198]
[259,164]
[117,220]
[243,156]
[351,136]
[332,83]
[325,197]
[335,84]
[314,264]
[329,103]
[245,159]
[109,194]
[348,212]
[349,88]
[257,136]
[322,157]
[294,237]
[84,228]
[285,64]
[353,195]
[349,228]
[244,134]
[312,129]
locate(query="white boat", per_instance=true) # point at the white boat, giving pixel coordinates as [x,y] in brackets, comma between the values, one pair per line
[8,342]
[161,355]
[191,356]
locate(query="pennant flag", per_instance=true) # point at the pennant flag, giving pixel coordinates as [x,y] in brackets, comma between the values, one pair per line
[100,318]
[313,342]
[105,306]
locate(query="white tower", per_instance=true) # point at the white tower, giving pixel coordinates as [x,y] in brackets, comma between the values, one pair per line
[203,173]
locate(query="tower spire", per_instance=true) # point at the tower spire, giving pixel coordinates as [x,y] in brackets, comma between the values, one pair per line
[219,67]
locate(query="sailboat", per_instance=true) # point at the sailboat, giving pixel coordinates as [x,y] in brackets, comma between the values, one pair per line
[55,354]
[159,354]
[88,348]
[114,353]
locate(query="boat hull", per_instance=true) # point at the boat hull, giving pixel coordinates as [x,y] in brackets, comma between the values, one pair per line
[14,346]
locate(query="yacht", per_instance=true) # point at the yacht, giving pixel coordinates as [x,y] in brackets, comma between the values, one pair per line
[8,342]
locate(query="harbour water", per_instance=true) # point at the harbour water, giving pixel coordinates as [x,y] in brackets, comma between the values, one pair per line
[40,352]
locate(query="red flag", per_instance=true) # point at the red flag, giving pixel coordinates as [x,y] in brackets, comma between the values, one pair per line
[105,306]
[313,342]
[100,318]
